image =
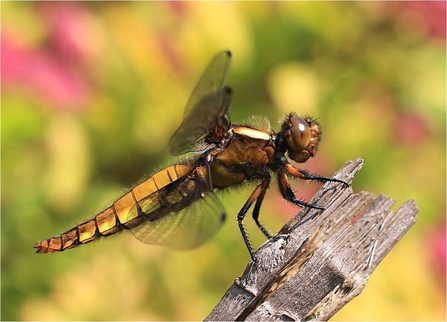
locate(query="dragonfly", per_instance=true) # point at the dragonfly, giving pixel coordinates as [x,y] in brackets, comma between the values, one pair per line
[178,206]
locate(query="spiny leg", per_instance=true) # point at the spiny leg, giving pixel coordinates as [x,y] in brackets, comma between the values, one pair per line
[287,193]
[259,192]
[264,185]
[302,174]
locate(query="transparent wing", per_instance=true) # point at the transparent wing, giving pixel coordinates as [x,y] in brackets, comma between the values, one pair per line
[208,106]
[179,216]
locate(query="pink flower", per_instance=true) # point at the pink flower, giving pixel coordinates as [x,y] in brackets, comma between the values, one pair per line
[41,74]
[411,128]
[59,71]
[73,33]
[437,251]
[433,13]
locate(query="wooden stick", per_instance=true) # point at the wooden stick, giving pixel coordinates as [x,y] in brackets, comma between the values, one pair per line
[319,261]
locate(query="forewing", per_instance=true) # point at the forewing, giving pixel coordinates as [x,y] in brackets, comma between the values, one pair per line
[208,105]
[184,225]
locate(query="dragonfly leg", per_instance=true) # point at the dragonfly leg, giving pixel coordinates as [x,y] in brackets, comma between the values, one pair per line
[287,193]
[264,185]
[258,195]
[302,174]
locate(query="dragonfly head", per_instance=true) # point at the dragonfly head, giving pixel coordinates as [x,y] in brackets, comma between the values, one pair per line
[302,136]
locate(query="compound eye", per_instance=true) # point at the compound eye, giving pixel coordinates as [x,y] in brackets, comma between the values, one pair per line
[298,134]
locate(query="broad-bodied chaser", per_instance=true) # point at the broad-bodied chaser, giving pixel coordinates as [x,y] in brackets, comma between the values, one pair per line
[178,206]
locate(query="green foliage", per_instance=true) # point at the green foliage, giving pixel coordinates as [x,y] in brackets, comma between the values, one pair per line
[89,103]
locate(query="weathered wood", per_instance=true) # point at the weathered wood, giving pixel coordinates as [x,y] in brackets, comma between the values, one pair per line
[319,261]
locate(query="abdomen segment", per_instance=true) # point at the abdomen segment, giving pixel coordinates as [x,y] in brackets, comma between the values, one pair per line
[115,218]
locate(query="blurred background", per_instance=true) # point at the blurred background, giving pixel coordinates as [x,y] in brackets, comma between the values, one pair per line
[92,92]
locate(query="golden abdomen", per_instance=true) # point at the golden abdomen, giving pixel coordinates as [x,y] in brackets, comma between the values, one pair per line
[118,216]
